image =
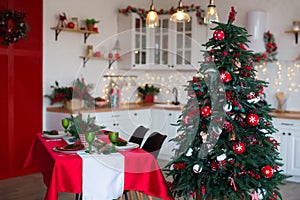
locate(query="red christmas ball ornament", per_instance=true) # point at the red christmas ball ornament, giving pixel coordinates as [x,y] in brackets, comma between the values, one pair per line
[205,111]
[267,171]
[71,25]
[252,119]
[238,147]
[219,35]
[225,77]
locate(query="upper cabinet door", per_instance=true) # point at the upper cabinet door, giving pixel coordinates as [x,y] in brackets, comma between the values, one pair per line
[169,46]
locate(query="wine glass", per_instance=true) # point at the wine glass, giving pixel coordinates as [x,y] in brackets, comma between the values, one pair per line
[65,123]
[113,137]
[90,137]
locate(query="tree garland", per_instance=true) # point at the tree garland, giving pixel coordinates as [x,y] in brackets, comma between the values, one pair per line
[143,14]
[12,26]
[271,49]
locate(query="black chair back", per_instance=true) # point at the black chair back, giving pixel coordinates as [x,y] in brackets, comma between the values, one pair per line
[154,143]
[138,135]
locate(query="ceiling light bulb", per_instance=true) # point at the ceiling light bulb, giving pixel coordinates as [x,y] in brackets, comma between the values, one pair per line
[152,20]
[211,13]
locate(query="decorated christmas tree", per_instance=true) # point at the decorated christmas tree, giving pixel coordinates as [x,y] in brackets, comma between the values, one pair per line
[225,148]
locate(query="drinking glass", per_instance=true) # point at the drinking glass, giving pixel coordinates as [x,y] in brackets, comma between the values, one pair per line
[65,123]
[90,137]
[113,137]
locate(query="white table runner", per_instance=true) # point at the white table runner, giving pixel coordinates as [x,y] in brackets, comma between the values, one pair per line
[102,176]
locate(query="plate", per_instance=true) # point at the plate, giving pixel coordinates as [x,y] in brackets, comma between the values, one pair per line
[59,135]
[64,149]
[130,145]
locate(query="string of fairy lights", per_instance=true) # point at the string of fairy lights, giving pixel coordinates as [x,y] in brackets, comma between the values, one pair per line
[280,74]
[128,84]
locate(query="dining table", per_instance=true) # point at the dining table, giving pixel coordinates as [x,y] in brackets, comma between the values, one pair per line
[63,172]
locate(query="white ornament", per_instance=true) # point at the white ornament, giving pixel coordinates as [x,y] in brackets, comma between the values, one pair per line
[254,100]
[227,107]
[221,157]
[263,130]
[189,152]
[172,167]
[197,169]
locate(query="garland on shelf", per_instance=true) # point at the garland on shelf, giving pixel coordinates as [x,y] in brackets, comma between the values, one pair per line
[271,49]
[12,26]
[143,14]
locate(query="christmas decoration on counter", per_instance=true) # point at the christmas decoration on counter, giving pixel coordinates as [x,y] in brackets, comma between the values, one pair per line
[147,93]
[12,26]
[244,161]
[143,13]
[79,90]
[271,49]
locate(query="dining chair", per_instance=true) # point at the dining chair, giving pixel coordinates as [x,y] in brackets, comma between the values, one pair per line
[154,143]
[138,135]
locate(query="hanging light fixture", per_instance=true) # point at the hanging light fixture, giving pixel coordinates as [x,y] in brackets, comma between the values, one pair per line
[211,13]
[180,15]
[152,17]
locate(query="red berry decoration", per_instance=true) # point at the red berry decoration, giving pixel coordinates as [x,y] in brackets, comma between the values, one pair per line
[71,25]
[267,171]
[252,119]
[238,147]
[225,77]
[205,111]
[219,35]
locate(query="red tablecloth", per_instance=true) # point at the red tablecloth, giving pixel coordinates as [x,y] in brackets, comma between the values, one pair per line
[64,173]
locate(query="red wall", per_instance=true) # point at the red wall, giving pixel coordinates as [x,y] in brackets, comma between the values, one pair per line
[21,90]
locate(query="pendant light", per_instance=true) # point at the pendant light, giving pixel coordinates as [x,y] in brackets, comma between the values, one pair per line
[152,17]
[180,15]
[211,13]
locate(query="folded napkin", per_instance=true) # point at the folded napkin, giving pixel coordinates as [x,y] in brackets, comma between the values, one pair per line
[102,176]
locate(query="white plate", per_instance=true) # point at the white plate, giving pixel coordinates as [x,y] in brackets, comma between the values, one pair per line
[60,135]
[130,145]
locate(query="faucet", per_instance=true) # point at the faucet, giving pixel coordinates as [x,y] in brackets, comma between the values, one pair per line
[175,92]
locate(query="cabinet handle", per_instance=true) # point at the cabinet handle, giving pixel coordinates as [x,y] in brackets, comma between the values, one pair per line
[172,66]
[135,114]
[287,124]
[133,65]
[289,134]
[114,124]
[170,114]
[283,133]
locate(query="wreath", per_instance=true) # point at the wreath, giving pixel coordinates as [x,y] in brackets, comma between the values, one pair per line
[271,49]
[12,26]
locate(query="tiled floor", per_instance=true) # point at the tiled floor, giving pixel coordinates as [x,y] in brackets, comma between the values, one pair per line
[31,187]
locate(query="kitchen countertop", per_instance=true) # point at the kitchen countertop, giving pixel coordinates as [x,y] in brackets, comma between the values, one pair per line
[136,106]
[130,106]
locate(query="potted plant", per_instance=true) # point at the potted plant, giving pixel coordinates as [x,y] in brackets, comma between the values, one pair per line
[72,97]
[147,93]
[90,23]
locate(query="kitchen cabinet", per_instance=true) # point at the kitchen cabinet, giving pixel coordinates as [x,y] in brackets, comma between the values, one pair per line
[172,46]
[163,122]
[289,138]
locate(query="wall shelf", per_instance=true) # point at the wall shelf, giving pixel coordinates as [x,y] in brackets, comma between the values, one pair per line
[110,60]
[86,33]
[296,34]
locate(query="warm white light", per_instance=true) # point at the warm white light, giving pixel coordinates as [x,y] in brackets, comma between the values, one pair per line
[152,20]
[180,15]
[211,13]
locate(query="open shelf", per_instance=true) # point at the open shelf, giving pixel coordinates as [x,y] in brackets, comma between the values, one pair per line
[110,60]
[86,33]
[294,32]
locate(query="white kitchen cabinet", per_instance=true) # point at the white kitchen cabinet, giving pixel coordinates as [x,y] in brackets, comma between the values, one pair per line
[289,138]
[172,46]
[162,121]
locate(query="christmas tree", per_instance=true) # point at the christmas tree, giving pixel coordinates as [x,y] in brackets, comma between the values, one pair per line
[225,149]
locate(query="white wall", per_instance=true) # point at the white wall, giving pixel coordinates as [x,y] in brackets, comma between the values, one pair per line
[61,58]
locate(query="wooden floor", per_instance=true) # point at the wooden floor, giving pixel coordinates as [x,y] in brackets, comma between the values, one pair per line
[31,187]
